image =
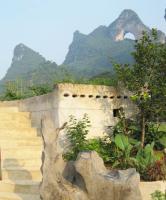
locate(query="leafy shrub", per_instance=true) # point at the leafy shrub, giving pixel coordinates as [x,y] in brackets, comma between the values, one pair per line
[149,164]
[124,157]
[100,146]
[158,195]
[76,133]
[40,89]
[154,134]
[11,94]
[145,156]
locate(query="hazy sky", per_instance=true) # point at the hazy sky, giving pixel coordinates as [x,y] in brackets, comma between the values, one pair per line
[47,26]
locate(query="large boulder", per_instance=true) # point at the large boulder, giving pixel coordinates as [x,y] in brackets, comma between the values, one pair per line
[106,185]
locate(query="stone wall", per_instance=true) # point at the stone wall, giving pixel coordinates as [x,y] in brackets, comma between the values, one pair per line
[98,102]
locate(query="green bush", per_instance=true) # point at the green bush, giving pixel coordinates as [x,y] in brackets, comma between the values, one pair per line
[119,150]
[101,147]
[11,93]
[40,89]
[154,134]
[158,195]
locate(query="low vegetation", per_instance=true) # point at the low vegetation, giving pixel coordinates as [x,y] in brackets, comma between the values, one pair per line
[158,195]
[15,92]
[120,150]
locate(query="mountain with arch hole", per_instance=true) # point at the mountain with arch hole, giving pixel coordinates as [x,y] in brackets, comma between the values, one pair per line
[94,53]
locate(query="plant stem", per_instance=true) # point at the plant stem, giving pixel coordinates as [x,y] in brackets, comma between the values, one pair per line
[143,131]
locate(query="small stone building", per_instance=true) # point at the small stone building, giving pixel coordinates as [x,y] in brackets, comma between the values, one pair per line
[100,103]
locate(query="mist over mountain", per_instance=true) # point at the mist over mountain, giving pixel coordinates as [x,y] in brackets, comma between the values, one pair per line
[88,55]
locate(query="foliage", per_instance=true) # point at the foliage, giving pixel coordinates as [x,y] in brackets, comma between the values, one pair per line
[124,159]
[156,171]
[126,126]
[149,163]
[154,134]
[15,91]
[100,146]
[11,93]
[158,195]
[40,89]
[145,158]
[146,79]
[119,150]
[77,131]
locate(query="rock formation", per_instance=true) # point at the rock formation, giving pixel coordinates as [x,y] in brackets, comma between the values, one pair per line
[129,22]
[103,184]
[85,179]
[54,186]
[92,54]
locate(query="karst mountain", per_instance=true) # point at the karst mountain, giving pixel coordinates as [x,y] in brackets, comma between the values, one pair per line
[88,55]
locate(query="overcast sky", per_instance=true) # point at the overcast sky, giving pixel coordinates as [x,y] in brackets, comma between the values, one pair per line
[47,26]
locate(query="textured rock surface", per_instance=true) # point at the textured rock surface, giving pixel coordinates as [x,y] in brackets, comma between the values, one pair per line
[54,186]
[103,184]
[129,22]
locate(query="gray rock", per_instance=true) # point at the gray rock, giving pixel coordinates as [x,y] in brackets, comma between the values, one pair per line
[103,184]
[54,186]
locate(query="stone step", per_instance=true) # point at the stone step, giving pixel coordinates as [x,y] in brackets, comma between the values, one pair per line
[17,133]
[22,153]
[23,163]
[15,116]
[18,196]
[20,186]
[12,124]
[19,173]
[18,143]
[7,109]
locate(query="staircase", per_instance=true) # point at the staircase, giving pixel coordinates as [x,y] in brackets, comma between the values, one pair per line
[21,150]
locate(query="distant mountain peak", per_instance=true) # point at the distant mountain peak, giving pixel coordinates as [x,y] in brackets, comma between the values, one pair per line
[20,45]
[19,52]
[129,22]
[24,60]
[128,13]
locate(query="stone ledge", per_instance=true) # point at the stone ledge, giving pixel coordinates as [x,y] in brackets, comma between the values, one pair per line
[147,188]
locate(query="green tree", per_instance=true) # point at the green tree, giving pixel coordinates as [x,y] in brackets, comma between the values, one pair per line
[146,79]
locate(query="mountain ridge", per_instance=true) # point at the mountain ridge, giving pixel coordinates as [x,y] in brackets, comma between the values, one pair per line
[88,55]
[95,50]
